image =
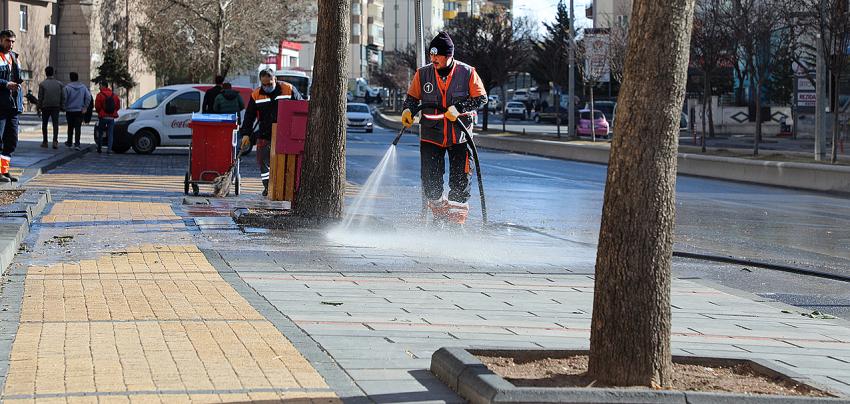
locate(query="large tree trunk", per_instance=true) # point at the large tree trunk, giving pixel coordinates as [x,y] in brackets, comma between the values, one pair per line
[630,330]
[323,171]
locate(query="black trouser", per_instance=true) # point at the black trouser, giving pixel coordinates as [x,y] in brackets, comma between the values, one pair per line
[264,160]
[51,113]
[75,125]
[433,160]
[9,129]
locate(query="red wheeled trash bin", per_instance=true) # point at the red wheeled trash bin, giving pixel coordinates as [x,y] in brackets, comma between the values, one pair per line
[212,151]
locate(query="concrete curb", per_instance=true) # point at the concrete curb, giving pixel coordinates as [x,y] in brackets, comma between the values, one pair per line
[812,177]
[465,374]
[15,221]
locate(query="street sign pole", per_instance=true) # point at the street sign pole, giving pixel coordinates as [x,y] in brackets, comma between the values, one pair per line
[820,103]
[420,34]
[572,89]
[820,89]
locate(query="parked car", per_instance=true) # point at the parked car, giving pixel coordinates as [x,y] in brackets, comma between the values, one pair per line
[600,124]
[549,115]
[494,102]
[515,110]
[358,116]
[520,95]
[608,108]
[161,118]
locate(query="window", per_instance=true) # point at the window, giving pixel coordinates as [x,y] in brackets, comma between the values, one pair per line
[357,108]
[24,18]
[355,29]
[184,104]
[623,20]
[355,8]
[152,99]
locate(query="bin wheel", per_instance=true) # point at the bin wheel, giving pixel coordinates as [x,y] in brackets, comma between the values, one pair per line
[195,189]
[186,184]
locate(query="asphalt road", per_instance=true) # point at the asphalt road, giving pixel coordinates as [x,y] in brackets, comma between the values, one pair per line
[561,202]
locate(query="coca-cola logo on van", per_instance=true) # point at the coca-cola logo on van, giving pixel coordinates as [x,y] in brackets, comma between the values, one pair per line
[180,124]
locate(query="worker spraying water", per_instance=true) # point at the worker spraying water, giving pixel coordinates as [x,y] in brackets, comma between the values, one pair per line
[447,92]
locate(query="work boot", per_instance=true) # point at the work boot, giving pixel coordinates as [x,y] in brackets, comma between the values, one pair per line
[44,144]
[457,212]
[265,187]
[10,177]
[68,144]
[439,208]
[55,144]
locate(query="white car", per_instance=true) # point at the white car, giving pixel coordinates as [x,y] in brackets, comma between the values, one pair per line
[358,116]
[161,118]
[520,95]
[515,110]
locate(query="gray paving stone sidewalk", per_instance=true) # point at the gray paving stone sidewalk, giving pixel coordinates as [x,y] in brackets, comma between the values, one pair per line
[381,323]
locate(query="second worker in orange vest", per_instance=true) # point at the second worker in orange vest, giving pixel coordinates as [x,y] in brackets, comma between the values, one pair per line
[448,92]
[262,108]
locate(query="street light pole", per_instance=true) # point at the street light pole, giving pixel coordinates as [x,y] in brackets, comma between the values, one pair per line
[420,44]
[820,93]
[572,86]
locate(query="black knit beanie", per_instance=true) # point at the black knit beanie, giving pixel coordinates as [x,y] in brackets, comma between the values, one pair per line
[442,45]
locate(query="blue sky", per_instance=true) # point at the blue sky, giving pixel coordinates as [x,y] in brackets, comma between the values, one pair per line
[544,10]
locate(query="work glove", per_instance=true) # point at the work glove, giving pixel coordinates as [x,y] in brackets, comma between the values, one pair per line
[407,118]
[245,145]
[452,113]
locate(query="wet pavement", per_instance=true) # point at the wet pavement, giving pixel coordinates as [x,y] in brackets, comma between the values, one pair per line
[124,259]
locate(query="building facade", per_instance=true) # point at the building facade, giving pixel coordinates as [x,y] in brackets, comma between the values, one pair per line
[606,13]
[400,31]
[71,36]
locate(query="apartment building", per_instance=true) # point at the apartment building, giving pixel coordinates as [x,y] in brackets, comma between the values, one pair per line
[606,13]
[400,24]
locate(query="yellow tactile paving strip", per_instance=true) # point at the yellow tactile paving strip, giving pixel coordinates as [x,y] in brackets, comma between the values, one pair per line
[154,323]
[147,183]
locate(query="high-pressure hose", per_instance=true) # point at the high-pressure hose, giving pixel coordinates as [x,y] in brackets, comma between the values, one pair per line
[470,143]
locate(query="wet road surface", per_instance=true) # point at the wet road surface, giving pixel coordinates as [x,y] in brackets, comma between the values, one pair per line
[563,199]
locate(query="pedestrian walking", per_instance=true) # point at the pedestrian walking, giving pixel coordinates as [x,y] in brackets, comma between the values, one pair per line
[51,100]
[11,102]
[262,108]
[446,90]
[211,94]
[77,101]
[107,105]
[229,101]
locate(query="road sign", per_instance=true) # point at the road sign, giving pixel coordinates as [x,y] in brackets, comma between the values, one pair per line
[806,99]
[596,57]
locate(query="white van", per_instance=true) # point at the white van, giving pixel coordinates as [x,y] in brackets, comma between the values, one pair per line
[161,118]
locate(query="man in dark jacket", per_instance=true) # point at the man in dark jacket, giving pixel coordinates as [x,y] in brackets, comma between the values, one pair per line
[209,96]
[51,100]
[229,101]
[11,102]
[262,107]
